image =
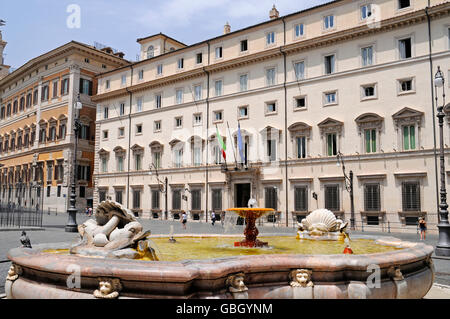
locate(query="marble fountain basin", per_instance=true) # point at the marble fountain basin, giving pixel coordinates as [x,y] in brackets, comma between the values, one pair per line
[404,272]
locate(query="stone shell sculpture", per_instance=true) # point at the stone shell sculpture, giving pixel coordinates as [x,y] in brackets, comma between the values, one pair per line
[321,222]
[115,232]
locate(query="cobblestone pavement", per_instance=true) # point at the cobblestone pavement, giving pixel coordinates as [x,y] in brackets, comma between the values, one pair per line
[54,232]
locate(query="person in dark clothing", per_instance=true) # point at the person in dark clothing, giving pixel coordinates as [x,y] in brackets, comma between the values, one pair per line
[423,228]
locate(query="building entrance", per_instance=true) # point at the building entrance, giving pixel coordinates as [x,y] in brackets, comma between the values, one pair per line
[241,198]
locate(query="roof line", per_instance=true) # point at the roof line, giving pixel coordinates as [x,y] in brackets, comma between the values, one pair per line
[161,34]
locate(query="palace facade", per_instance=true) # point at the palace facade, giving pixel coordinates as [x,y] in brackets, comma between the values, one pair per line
[348,77]
[37,118]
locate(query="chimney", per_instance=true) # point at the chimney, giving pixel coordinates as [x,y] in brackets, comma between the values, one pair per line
[274,14]
[226,28]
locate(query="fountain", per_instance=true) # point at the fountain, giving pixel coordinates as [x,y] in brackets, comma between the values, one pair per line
[251,214]
[116,259]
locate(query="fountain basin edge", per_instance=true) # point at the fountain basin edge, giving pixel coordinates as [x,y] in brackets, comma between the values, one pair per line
[45,276]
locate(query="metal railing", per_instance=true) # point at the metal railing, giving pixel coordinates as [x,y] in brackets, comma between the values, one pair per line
[16,216]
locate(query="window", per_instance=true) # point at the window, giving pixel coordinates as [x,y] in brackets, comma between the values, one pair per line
[301,199]
[301,146]
[85,87]
[197,155]
[22,103]
[243,112]
[150,52]
[270,76]
[328,22]
[176,199]
[409,137]
[139,104]
[406,85]
[55,90]
[331,144]
[178,155]
[271,150]
[404,4]
[218,116]
[411,196]
[299,68]
[197,119]
[52,133]
[270,38]
[243,81]
[122,109]
[199,58]
[137,162]
[178,122]
[366,11]
[330,98]
[300,102]
[270,198]
[85,60]
[124,80]
[139,129]
[367,56]
[120,163]
[84,172]
[159,69]
[44,93]
[180,63]
[29,100]
[136,199]
[244,45]
[104,165]
[49,171]
[49,188]
[158,101]
[405,48]
[198,92]
[216,199]
[218,87]
[119,197]
[108,84]
[299,30]
[217,151]
[370,140]
[332,197]
[82,191]
[65,86]
[157,126]
[179,96]
[329,64]
[368,91]
[155,199]
[141,74]
[372,201]
[157,159]
[219,53]
[105,112]
[101,196]
[271,107]
[196,199]
[121,132]
[105,134]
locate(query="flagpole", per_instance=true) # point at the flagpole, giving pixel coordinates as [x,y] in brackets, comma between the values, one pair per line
[232,145]
[224,157]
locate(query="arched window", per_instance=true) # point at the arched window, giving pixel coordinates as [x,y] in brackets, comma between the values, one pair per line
[15,107]
[22,103]
[150,52]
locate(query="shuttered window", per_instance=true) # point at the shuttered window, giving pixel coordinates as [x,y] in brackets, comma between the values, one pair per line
[136,199]
[411,196]
[119,197]
[271,197]
[301,199]
[196,197]
[217,199]
[372,197]
[155,199]
[332,197]
[176,199]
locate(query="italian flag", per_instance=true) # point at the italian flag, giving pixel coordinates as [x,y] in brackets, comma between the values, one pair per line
[222,144]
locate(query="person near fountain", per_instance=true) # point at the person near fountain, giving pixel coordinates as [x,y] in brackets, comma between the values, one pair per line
[184,219]
[213,218]
[423,228]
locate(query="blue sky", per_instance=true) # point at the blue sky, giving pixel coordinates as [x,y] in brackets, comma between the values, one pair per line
[37,26]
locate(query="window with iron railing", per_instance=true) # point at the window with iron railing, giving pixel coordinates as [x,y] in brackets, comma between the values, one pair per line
[196,199]
[372,198]
[300,199]
[332,197]
[411,196]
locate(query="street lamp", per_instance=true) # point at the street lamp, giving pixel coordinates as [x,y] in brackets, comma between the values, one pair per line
[72,226]
[443,245]
[348,187]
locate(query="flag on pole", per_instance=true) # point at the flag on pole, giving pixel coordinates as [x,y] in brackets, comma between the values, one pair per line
[222,144]
[240,146]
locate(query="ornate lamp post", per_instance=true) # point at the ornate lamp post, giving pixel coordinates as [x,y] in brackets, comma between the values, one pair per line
[348,187]
[443,245]
[72,226]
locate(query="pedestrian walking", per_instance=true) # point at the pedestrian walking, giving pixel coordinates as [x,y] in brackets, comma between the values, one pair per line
[87,211]
[423,228]
[184,219]
[213,218]
[90,211]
